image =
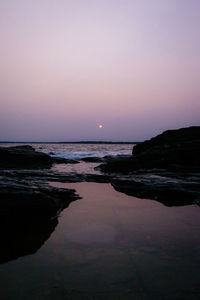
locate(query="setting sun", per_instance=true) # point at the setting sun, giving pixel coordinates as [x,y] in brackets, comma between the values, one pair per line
[100,126]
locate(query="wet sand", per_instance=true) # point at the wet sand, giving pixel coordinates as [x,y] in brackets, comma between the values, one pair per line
[111,246]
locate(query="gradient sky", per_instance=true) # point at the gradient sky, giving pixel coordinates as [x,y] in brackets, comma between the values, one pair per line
[67,66]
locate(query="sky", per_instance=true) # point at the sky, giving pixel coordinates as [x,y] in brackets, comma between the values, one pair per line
[67,66]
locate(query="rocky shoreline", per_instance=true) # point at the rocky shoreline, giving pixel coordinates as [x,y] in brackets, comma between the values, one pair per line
[30,196]
[165,168]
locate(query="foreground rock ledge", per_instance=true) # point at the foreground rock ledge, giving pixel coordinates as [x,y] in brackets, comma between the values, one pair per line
[29,206]
[23,236]
[21,197]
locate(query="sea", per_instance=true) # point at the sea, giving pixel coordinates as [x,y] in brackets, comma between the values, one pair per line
[78,151]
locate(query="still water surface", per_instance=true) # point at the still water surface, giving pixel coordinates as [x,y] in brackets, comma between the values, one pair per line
[111,246]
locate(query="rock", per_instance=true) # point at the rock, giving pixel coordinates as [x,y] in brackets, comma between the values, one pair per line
[23,236]
[173,150]
[166,168]
[28,210]
[23,157]
[60,160]
[116,164]
[92,159]
[22,192]
[168,191]
[19,197]
[170,138]
[27,157]
[41,176]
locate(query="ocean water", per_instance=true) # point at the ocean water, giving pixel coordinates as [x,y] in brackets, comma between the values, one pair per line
[78,151]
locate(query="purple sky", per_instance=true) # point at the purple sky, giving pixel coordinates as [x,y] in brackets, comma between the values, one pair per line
[67,66]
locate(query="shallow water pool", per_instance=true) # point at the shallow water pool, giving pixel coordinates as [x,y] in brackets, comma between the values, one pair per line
[111,246]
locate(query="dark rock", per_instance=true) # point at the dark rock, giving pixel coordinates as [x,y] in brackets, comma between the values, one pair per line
[19,197]
[116,164]
[161,185]
[173,150]
[23,236]
[169,139]
[92,159]
[165,168]
[60,160]
[24,192]
[23,157]
[169,191]
[42,175]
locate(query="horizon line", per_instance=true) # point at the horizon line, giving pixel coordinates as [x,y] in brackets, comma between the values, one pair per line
[69,142]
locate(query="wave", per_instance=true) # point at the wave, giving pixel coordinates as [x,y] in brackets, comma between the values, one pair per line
[82,154]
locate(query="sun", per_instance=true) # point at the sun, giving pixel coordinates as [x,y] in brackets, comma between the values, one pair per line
[100,126]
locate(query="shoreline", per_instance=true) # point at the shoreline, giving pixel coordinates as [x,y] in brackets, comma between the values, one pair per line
[126,237]
[164,168]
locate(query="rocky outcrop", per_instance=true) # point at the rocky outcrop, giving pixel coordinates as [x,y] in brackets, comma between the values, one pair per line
[92,159]
[24,196]
[176,150]
[30,196]
[29,207]
[166,187]
[27,157]
[60,160]
[165,168]
[23,157]
[23,236]
[42,176]
[167,190]
[173,149]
